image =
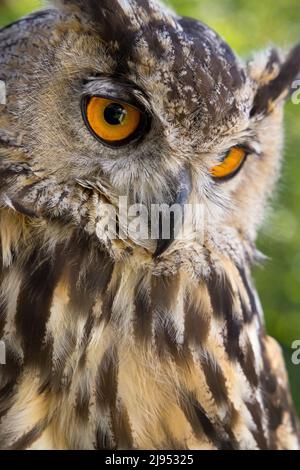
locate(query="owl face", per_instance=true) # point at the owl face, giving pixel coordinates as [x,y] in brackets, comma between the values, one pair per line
[131,96]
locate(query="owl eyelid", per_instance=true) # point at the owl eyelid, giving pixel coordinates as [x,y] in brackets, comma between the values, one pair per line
[248,148]
[227,152]
[134,103]
[112,87]
[130,101]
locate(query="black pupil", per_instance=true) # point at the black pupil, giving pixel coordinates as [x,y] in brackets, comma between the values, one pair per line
[114,114]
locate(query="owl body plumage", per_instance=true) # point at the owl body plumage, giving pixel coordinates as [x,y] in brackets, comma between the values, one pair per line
[108,345]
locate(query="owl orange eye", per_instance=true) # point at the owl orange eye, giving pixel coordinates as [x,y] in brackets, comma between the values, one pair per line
[112,121]
[231,163]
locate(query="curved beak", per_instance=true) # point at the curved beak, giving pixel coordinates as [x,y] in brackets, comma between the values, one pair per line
[183,187]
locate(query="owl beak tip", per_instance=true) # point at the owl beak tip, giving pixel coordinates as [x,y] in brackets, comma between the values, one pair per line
[183,188]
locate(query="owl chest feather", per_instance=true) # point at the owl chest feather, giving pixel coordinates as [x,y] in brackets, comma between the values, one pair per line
[104,354]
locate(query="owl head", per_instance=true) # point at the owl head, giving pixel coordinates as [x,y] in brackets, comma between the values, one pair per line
[123,98]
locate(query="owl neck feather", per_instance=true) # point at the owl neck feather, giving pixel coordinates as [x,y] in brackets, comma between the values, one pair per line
[117,353]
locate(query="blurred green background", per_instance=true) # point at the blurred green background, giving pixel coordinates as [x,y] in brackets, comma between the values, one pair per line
[250,25]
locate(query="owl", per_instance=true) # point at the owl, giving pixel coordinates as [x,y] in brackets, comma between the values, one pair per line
[129,340]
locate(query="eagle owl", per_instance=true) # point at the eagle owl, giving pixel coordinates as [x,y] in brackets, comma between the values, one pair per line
[130,342]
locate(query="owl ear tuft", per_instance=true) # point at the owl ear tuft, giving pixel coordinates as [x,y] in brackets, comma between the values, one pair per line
[109,18]
[93,8]
[274,77]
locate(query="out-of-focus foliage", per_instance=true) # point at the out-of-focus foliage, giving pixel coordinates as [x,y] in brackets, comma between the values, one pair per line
[10,10]
[250,25]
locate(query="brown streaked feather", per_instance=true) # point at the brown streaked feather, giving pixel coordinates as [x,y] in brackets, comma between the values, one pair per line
[108,346]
